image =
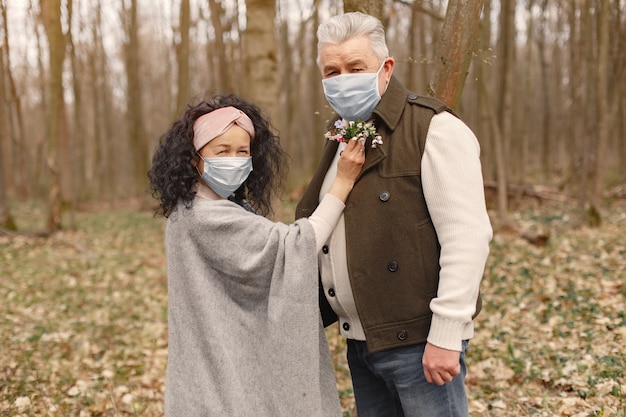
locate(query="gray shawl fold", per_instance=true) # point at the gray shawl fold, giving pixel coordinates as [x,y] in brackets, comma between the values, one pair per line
[245,337]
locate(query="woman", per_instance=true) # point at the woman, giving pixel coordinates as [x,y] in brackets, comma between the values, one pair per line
[244,331]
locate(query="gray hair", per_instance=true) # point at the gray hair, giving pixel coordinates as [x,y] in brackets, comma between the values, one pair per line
[339,29]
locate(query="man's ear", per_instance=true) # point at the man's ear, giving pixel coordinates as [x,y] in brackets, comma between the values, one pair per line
[390,64]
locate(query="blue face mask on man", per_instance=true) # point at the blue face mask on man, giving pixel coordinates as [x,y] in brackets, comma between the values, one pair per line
[226,174]
[353,96]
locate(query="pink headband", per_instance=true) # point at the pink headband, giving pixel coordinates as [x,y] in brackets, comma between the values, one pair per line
[211,125]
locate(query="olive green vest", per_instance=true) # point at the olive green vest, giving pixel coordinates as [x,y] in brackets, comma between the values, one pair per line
[392,247]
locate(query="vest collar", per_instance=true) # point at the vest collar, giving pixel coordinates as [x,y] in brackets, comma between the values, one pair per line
[392,103]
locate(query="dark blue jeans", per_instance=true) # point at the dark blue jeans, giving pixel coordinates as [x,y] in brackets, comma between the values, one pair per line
[391,383]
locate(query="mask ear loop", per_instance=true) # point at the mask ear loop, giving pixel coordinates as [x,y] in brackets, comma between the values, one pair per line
[198,163]
[378,73]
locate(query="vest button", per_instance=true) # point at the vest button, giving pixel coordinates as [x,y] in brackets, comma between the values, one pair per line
[384,196]
[325,248]
[392,266]
[402,335]
[331,292]
[346,326]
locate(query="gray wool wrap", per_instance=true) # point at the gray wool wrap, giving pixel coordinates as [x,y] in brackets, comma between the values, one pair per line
[245,337]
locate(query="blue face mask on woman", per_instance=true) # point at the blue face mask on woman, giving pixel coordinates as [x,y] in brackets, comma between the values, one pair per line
[226,174]
[353,96]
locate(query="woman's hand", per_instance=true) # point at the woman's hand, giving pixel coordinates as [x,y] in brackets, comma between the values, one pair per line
[348,169]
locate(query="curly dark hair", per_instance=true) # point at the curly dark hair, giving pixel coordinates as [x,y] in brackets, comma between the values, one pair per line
[173,175]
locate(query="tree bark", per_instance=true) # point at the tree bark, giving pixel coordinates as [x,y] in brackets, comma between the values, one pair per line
[545,95]
[6,220]
[501,175]
[522,147]
[217,53]
[134,101]
[506,72]
[15,174]
[602,104]
[371,7]
[262,57]
[182,57]
[454,52]
[74,173]
[51,18]
[483,73]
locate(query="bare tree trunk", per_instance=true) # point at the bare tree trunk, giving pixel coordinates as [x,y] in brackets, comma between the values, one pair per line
[522,148]
[602,103]
[6,220]
[102,166]
[261,63]
[420,28]
[261,54]
[290,94]
[37,153]
[559,139]
[588,216]
[317,95]
[454,53]
[502,182]
[76,142]
[545,95]
[619,79]
[506,70]
[483,73]
[218,50]
[575,128]
[51,17]
[5,114]
[182,56]
[134,112]
[15,154]
[371,7]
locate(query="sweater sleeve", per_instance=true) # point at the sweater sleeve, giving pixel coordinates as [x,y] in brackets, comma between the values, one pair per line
[453,189]
[324,219]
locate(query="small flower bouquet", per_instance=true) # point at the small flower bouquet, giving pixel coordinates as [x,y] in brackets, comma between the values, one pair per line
[357,130]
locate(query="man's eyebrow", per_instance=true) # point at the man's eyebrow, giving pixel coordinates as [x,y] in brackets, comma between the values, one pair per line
[357,61]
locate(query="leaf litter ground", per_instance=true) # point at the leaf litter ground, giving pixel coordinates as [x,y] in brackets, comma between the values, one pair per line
[84,326]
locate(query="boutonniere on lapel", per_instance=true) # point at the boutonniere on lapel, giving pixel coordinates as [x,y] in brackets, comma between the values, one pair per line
[355,130]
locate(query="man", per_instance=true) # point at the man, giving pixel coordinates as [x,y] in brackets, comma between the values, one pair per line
[401,271]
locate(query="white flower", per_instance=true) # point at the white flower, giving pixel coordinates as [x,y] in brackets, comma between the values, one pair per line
[354,130]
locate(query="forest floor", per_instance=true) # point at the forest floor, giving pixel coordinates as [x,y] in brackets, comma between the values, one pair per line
[83,328]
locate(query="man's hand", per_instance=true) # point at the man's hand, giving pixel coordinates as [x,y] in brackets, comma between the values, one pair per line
[440,365]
